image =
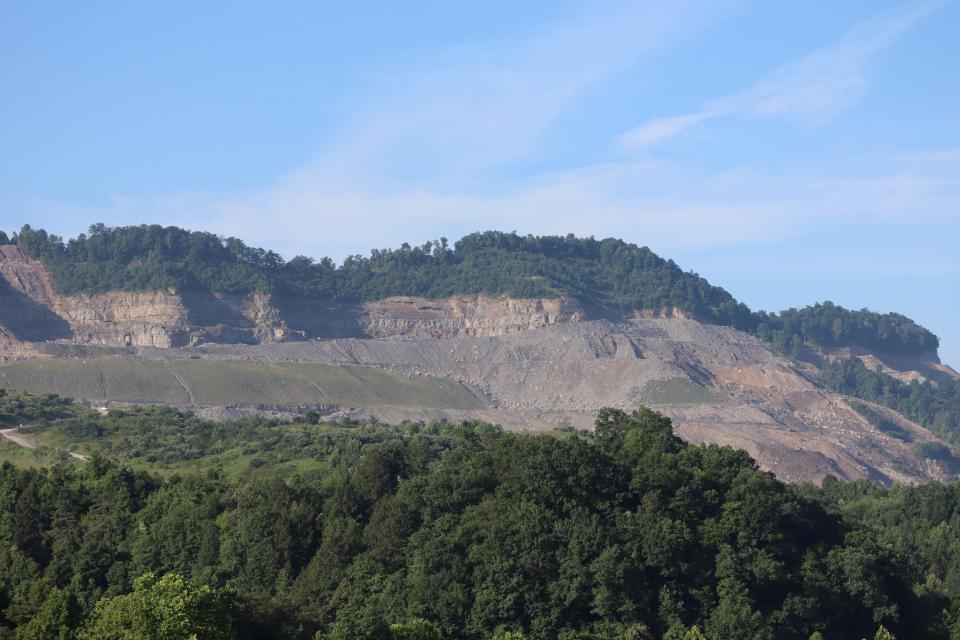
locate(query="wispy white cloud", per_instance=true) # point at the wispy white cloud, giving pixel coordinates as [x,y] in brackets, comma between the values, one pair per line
[488,104]
[809,91]
[421,156]
[661,129]
[671,208]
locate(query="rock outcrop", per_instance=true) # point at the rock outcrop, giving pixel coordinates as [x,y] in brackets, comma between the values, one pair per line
[32,311]
[464,316]
[147,319]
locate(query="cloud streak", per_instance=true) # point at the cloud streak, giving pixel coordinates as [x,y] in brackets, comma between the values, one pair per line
[671,208]
[429,151]
[488,105]
[809,91]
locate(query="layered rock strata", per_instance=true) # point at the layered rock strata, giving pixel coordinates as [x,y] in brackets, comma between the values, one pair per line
[32,311]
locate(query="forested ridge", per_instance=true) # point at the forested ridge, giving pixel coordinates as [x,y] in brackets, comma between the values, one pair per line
[608,273]
[455,531]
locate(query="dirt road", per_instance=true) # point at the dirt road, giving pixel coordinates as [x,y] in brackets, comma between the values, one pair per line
[11,435]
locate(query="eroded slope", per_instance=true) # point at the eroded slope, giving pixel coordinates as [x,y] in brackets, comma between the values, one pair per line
[719,385]
[525,363]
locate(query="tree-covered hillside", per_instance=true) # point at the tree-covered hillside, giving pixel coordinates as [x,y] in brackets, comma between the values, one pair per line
[609,274]
[457,531]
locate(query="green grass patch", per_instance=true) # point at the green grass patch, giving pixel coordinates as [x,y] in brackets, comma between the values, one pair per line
[934,451]
[881,422]
[33,458]
[10,452]
[677,391]
[230,382]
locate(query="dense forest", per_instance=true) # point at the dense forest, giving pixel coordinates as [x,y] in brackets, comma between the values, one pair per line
[427,531]
[830,325]
[606,274]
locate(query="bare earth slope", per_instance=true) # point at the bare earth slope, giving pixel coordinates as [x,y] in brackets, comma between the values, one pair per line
[534,364]
[719,385]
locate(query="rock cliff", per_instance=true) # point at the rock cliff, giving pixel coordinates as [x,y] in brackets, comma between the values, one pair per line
[32,311]
[463,316]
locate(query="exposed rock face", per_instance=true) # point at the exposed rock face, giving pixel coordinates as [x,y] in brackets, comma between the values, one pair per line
[475,315]
[718,385]
[663,312]
[905,368]
[33,311]
[464,316]
[25,275]
[27,300]
[147,319]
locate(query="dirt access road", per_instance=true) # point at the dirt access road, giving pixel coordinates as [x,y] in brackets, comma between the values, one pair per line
[12,436]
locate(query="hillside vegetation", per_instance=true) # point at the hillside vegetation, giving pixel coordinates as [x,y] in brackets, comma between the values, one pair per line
[609,273]
[934,405]
[454,531]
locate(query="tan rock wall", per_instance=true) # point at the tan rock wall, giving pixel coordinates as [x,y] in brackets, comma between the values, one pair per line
[32,310]
[662,312]
[464,316]
[141,319]
[25,275]
[171,319]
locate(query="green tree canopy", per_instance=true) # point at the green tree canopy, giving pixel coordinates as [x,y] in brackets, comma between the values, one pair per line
[165,608]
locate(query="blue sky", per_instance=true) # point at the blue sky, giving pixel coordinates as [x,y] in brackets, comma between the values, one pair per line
[790,152]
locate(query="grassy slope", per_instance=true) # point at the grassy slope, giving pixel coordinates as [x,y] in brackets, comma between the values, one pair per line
[259,452]
[10,452]
[222,382]
[678,391]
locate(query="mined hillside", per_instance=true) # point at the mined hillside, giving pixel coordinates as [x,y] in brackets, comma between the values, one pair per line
[609,277]
[31,310]
[718,385]
[797,390]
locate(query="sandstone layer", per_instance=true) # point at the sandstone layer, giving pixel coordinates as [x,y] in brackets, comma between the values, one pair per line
[31,310]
